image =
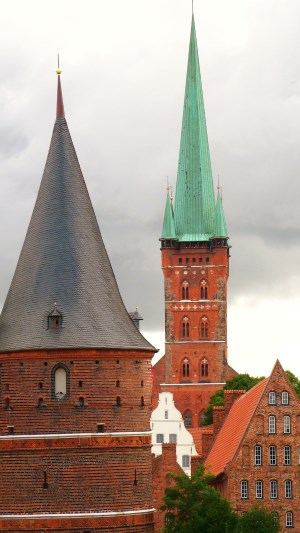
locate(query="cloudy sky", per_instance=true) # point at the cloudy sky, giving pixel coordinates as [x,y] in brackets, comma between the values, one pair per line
[124,65]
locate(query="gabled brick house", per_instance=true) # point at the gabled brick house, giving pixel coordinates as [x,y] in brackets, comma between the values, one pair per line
[254,450]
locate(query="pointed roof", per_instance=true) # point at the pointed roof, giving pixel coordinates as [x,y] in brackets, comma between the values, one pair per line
[231,433]
[168,231]
[220,228]
[194,203]
[64,263]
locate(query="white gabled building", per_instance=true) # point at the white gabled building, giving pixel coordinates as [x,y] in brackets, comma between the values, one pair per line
[167,426]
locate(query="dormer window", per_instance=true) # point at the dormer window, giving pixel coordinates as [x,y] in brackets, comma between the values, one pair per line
[55,319]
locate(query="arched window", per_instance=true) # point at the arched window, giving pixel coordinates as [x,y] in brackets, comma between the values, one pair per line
[288,489]
[185,327]
[272,398]
[286,424]
[188,419]
[185,291]
[244,489]
[203,290]
[204,327]
[258,455]
[272,424]
[285,398]
[59,383]
[272,456]
[287,456]
[258,489]
[204,367]
[185,368]
[289,520]
[273,489]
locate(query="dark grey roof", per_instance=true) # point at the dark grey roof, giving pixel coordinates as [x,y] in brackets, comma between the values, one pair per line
[64,266]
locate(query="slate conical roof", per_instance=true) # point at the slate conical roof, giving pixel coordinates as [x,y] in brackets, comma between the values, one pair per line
[194,209]
[168,231]
[64,267]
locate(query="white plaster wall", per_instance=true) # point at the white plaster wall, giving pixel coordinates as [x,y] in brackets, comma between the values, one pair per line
[173,424]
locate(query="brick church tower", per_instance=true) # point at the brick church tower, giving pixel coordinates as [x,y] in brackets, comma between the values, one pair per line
[75,372]
[195,264]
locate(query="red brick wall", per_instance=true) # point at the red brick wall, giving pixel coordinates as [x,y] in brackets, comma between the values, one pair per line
[26,377]
[162,466]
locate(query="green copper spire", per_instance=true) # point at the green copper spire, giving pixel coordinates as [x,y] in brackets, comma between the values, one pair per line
[194,204]
[220,229]
[168,231]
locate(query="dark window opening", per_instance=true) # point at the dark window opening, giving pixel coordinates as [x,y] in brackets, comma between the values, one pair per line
[204,368]
[54,322]
[8,406]
[117,383]
[187,260]
[81,402]
[80,384]
[11,430]
[40,385]
[118,401]
[45,484]
[142,383]
[207,259]
[41,404]
[100,428]
[185,327]
[204,327]
[180,260]
[200,259]
[135,477]
[142,401]
[188,419]
[185,368]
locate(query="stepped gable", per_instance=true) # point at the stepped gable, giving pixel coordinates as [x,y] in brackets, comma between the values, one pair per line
[234,428]
[64,270]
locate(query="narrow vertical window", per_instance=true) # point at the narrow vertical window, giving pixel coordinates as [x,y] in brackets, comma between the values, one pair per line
[159,438]
[285,398]
[257,455]
[60,382]
[204,327]
[185,461]
[118,401]
[287,456]
[166,415]
[272,398]
[272,456]
[288,489]
[258,489]
[273,489]
[185,327]
[272,424]
[173,438]
[185,291]
[185,368]
[204,368]
[244,489]
[289,520]
[203,290]
[286,424]
[188,419]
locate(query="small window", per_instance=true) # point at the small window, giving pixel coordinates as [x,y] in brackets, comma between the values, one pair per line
[207,259]
[204,368]
[60,382]
[118,383]
[257,455]
[142,401]
[185,368]
[200,259]
[180,260]
[287,456]
[272,398]
[272,424]
[285,398]
[166,415]
[244,489]
[258,489]
[169,519]
[188,420]
[185,461]
[185,327]
[159,438]
[185,291]
[286,424]
[272,455]
[289,520]
[55,319]
[187,260]
[80,384]
[288,489]
[81,402]
[142,383]
[118,401]
[204,327]
[273,489]
[173,438]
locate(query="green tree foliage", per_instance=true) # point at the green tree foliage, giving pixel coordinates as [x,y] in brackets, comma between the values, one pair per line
[258,520]
[239,382]
[294,381]
[193,506]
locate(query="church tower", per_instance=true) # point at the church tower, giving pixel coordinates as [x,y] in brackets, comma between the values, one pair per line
[75,372]
[195,264]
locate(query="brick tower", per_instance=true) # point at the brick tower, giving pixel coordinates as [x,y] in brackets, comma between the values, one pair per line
[195,255]
[75,373]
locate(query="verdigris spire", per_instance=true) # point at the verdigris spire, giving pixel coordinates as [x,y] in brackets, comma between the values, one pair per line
[220,229]
[168,231]
[194,203]
[64,293]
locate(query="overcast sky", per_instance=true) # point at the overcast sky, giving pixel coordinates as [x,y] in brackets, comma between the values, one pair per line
[124,66]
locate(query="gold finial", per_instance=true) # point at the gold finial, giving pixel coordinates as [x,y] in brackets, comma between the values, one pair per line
[58,70]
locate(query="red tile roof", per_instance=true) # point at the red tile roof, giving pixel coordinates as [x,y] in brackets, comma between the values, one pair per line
[233,429]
